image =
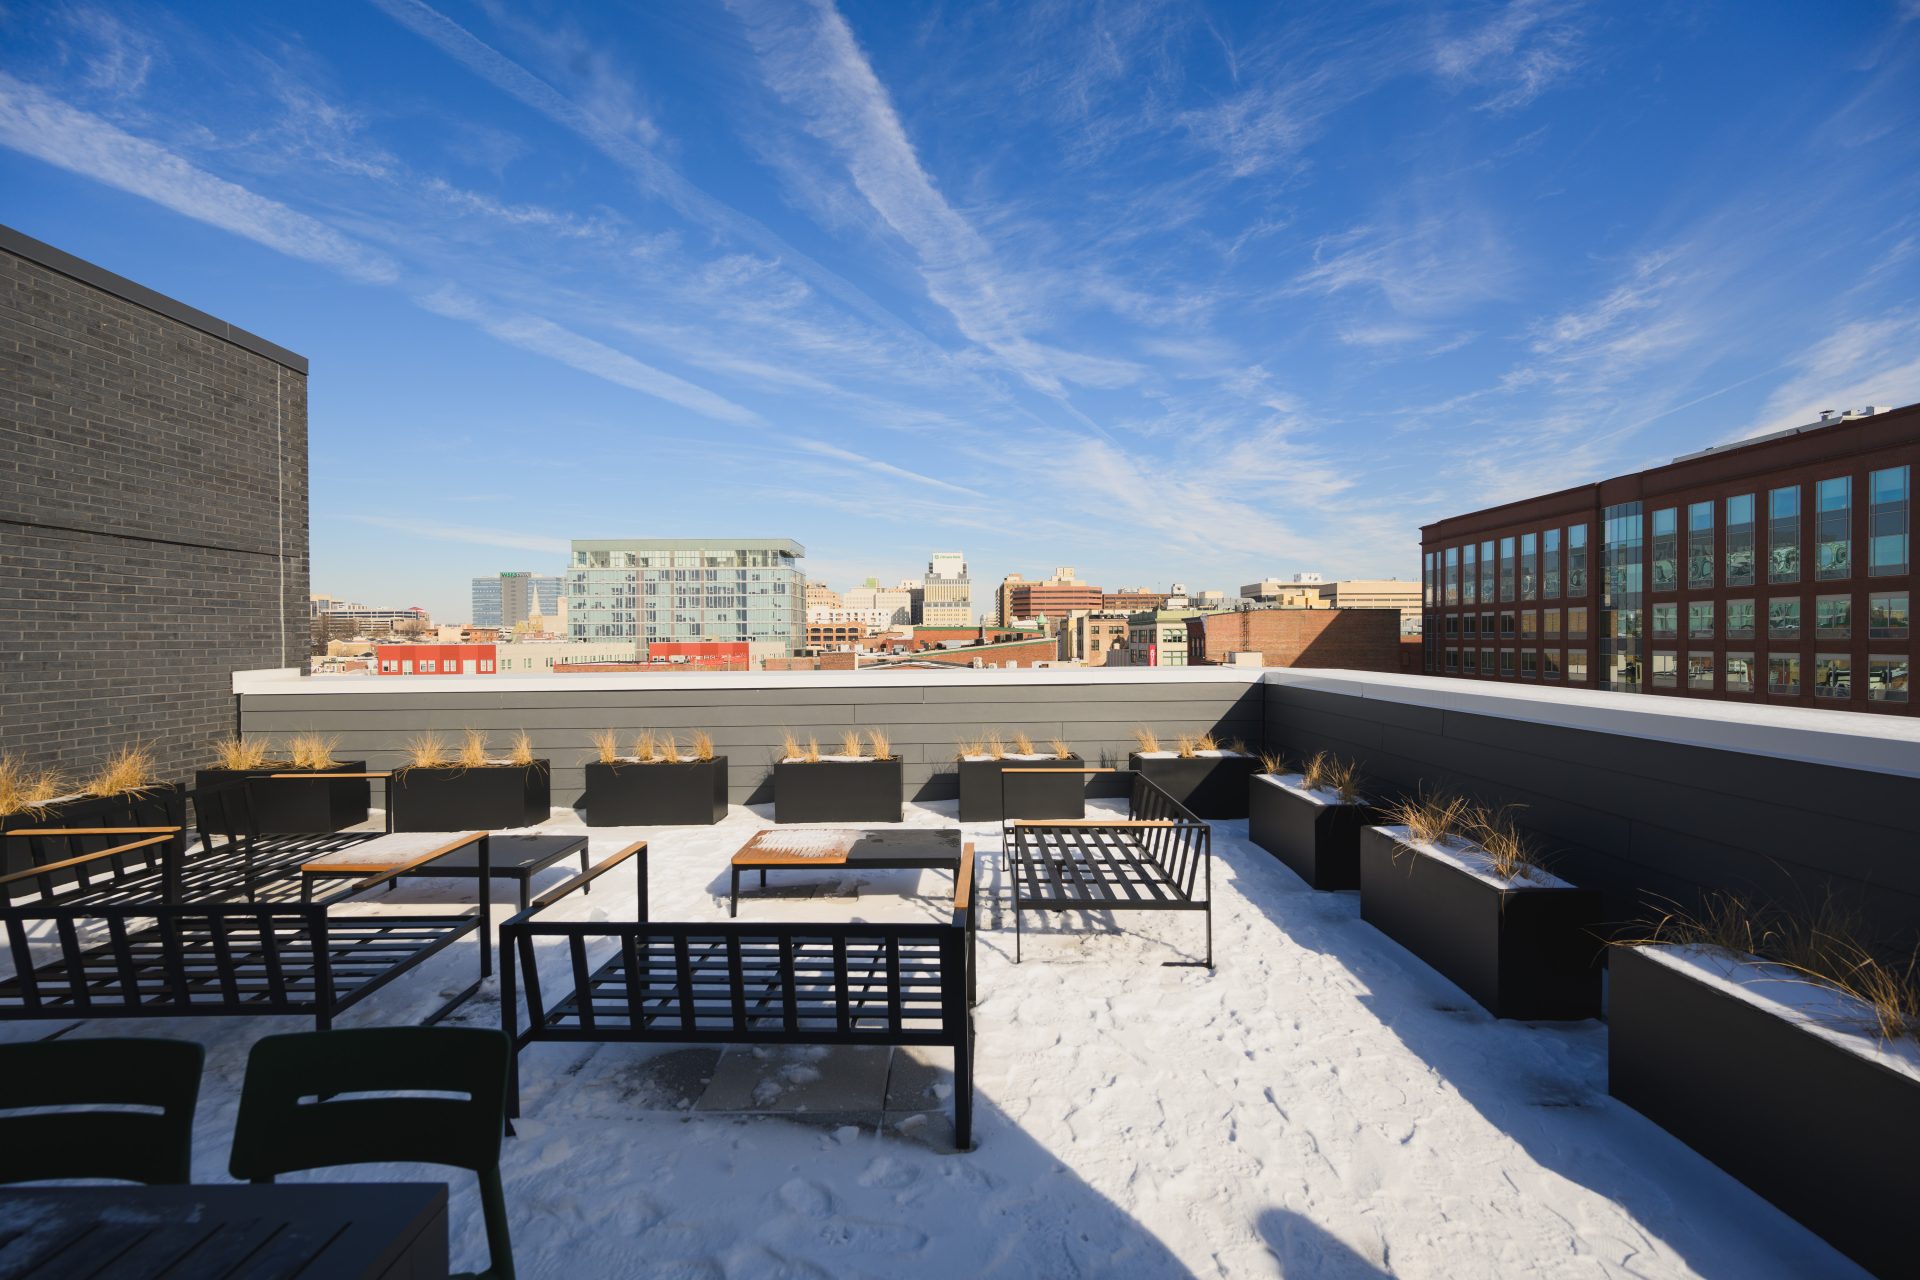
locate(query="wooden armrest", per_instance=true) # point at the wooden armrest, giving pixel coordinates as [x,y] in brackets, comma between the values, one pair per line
[1024,769]
[311,774]
[93,831]
[963,880]
[1093,822]
[382,874]
[588,876]
[46,868]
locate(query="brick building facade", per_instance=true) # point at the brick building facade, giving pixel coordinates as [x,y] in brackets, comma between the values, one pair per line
[1353,639]
[1776,571]
[153,514]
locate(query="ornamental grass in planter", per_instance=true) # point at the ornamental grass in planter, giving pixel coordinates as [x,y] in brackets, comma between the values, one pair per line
[1311,818]
[468,788]
[982,761]
[1461,888]
[125,790]
[658,783]
[291,805]
[1210,780]
[859,783]
[1785,1050]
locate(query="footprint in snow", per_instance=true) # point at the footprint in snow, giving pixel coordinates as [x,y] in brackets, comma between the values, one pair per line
[809,1199]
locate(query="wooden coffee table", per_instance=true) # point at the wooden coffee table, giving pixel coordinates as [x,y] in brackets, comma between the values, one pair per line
[892,849]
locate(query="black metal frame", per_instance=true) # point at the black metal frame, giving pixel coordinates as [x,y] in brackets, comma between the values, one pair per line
[826,984]
[1148,862]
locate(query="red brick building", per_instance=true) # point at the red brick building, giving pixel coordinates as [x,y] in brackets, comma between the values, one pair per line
[1353,639]
[1778,570]
[434,659]
[1051,600]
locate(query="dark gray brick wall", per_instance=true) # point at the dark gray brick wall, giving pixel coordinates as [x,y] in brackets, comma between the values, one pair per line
[153,518]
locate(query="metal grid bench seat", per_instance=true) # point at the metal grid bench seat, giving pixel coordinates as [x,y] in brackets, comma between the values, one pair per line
[1157,858]
[728,983]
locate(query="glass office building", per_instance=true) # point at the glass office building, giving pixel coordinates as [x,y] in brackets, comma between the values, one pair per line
[503,599]
[684,590]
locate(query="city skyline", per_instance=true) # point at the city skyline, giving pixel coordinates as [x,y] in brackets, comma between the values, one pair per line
[1296,282]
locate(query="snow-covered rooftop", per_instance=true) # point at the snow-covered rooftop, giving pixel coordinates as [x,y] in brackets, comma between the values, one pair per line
[1320,1105]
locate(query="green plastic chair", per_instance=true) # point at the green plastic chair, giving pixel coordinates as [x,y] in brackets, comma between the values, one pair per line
[84,1139]
[305,1105]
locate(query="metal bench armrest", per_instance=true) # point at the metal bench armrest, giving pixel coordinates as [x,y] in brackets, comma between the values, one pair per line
[95,831]
[47,868]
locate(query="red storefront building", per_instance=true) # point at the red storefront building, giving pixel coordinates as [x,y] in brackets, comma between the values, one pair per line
[1778,571]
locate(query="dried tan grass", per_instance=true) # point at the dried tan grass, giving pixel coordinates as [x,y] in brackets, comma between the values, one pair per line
[1022,744]
[1060,749]
[669,749]
[427,751]
[1205,742]
[128,771]
[241,753]
[606,745]
[312,751]
[473,749]
[1314,771]
[25,790]
[1145,739]
[995,747]
[1430,818]
[812,754]
[852,744]
[646,747]
[522,750]
[702,745]
[1237,746]
[969,747]
[882,745]
[1185,747]
[1510,850]
[1272,762]
[789,746]
[1343,776]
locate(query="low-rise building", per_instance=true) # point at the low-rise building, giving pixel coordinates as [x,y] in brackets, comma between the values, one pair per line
[1091,636]
[1356,639]
[1158,637]
[1377,593]
[1131,600]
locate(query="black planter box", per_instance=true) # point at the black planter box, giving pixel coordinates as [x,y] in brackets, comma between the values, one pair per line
[685,793]
[1527,953]
[1028,795]
[164,805]
[1209,786]
[297,806]
[1814,1128]
[837,790]
[487,797]
[1318,842]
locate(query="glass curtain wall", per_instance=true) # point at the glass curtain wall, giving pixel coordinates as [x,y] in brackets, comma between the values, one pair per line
[1621,596]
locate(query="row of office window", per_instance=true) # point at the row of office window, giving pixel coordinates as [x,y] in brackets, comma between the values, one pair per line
[1831,675]
[1831,617]
[1725,543]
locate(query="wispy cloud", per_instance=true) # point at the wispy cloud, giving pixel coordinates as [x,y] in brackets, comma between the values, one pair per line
[467,534]
[42,126]
[884,468]
[1862,362]
[1516,56]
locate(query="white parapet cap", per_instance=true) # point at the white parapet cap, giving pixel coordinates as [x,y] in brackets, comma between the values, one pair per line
[1846,739]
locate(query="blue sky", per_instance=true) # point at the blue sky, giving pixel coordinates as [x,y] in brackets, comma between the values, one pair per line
[1162,291]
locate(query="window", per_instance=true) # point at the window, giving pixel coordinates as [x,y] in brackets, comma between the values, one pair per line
[1833,676]
[1550,568]
[1888,495]
[427,666]
[1887,615]
[1700,671]
[1666,669]
[1783,618]
[1783,534]
[1529,566]
[1506,663]
[1550,623]
[1577,666]
[1833,618]
[1471,661]
[1486,662]
[1576,624]
[1666,549]
[1665,622]
[1886,678]
[1506,624]
[1622,532]
[406,666]
[1529,624]
[486,665]
[1453,575]
[1576,560]
[1740,541]
[1739,619]
[1453,661]
[1550,664]
[1529,664]
[1700,545]
[1486,572]
[1700,620]
[1453,625]
[1486,625]
[1783,674]
[1466,574]
[1426,580]
[1506,568]
[1833,528]
[1739,673]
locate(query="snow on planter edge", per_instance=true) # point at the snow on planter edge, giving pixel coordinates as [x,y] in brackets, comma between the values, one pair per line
[1474,861]
[1296,783]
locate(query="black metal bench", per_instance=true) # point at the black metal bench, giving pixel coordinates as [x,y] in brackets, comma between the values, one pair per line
[731,983]
[1158,858]
[74,956]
